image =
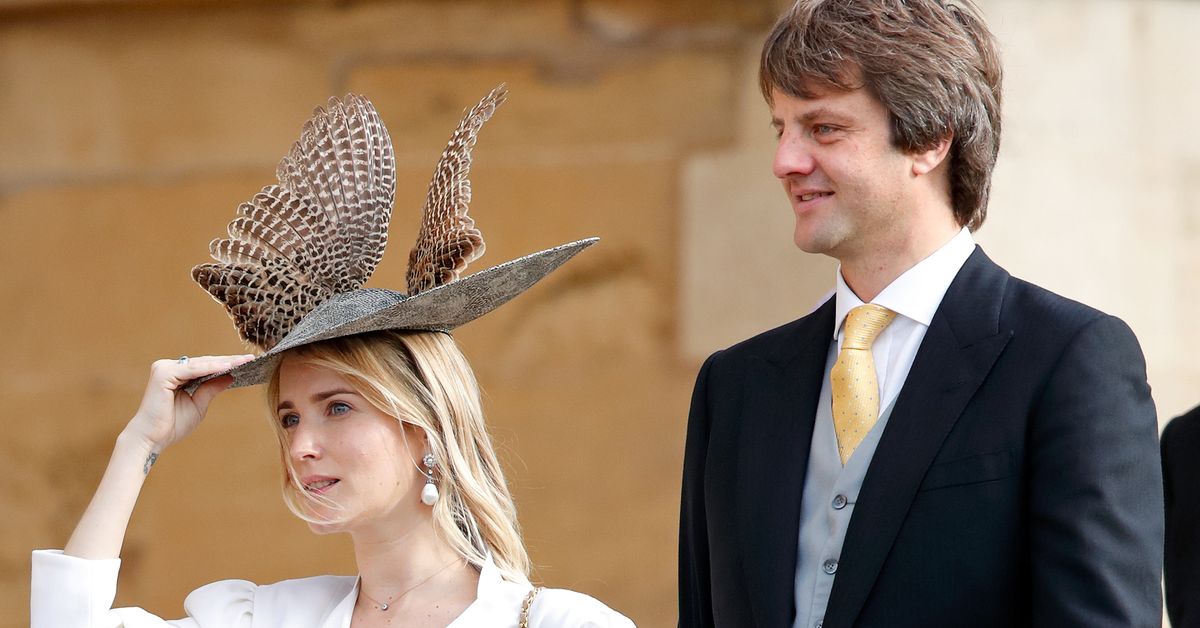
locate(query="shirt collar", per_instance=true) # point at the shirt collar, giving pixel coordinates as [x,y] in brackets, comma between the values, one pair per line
[917,293]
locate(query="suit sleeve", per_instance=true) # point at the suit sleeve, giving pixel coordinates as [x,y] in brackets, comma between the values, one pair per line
[1096,491]
[695,595]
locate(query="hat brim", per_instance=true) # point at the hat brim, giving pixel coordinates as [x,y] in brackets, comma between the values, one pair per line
[439,309]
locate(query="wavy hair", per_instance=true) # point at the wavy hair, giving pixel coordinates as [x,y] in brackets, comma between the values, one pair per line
[422,379]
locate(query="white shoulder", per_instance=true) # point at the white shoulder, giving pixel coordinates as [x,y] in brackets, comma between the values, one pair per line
[560,608]
[222,603]
[78,592]
[236,602]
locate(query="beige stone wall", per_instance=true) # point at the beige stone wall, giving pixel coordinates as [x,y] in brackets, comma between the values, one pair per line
[129,132]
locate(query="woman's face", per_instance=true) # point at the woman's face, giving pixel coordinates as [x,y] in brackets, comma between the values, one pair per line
[346,450]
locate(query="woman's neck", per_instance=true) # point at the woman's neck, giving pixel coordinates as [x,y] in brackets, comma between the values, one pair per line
[389,561]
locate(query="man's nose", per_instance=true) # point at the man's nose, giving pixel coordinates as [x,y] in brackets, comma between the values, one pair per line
[792,157]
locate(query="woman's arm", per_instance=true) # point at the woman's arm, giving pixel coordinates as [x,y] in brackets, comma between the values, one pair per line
[167,414]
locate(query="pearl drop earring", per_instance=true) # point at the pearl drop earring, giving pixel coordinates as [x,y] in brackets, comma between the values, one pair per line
[429,494]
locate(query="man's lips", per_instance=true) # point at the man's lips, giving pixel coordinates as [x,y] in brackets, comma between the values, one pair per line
[805,196]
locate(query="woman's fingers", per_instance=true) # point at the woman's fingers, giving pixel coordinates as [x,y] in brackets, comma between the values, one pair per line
[176,372]
[204,393]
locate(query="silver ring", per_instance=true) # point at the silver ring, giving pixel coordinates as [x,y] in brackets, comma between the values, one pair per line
[183,359]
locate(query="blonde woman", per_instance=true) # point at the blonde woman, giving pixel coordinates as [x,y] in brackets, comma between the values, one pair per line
[377,412]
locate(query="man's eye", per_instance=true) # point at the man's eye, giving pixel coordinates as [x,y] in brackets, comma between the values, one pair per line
[289,420]
[823,129]
[339,407]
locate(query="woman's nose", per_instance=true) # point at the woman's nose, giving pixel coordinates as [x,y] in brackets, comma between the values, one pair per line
[303,443]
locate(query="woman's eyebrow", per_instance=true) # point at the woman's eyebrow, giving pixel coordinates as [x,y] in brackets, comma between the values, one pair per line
[321,396]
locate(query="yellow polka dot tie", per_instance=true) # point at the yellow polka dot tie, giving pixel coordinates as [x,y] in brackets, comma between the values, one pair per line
[855,388]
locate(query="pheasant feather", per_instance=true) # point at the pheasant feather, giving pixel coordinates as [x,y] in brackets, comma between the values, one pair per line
[321,231]
[448,239]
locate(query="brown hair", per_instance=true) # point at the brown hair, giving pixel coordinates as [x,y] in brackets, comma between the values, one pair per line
[933,65]
[423,380]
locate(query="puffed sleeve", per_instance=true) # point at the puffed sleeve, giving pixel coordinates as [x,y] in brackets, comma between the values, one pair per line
[71,592]
[560,608]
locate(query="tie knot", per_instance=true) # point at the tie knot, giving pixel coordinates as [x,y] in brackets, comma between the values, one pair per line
[863,324]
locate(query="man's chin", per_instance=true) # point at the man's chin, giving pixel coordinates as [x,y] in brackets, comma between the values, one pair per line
[815,243]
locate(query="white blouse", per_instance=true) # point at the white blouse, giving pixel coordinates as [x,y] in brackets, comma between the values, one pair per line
[72,592]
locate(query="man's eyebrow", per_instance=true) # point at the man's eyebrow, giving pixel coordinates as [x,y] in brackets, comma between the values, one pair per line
[823,112]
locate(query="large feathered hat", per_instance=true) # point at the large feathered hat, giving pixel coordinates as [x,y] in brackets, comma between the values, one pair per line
[292,269]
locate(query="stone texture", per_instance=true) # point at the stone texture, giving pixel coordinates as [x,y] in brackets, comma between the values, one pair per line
[558,109]
[110,94]
[739,271]
[129,132]
[629,20]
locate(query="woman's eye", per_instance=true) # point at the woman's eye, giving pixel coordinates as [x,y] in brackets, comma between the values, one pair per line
[338,407]
[289,420]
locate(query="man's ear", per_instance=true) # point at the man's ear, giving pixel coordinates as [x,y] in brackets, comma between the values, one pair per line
[924,162]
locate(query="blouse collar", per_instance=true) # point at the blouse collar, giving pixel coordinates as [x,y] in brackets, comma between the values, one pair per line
[493,598]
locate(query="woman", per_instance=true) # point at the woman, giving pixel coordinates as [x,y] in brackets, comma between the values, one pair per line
[377,412]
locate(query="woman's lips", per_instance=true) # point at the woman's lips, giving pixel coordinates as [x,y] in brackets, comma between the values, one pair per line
[319,485]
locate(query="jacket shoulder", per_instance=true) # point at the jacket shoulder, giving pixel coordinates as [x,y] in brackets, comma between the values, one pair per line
[770,342]
[1183,430]
[1032,302]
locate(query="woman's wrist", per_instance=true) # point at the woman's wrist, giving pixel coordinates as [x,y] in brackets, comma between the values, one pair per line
[135,448]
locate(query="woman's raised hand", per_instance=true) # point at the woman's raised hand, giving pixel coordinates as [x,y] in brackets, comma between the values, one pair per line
[168,413]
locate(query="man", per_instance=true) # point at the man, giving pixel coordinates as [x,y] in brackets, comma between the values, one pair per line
[1181,467]
[940,444]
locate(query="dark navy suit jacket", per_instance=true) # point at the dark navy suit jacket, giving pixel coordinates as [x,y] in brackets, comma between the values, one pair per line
[1181,474]
[1017,482]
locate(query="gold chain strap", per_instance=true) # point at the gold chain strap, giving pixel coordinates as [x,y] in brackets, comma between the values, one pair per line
[525,607]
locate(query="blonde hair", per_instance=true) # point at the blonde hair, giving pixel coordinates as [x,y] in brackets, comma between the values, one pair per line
[423,379]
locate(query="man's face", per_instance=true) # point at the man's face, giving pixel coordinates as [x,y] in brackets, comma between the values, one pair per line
[848,186]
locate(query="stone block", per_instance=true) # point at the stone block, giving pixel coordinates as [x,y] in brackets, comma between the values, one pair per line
[631,20]
[607,110]
[582,444]
[1168,77]
[739,271]
[408,30]
[162,91]
[109,277]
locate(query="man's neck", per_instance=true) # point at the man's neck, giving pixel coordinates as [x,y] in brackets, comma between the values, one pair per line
[868,273]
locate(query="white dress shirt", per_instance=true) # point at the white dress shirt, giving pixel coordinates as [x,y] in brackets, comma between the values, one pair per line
[71,592]
[914,296]
[831,488]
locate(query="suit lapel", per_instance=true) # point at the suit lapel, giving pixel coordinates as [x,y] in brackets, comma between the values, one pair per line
[959,349]
[780,406]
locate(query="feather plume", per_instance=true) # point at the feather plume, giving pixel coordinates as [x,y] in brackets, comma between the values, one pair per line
[448,240]
[321,231]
